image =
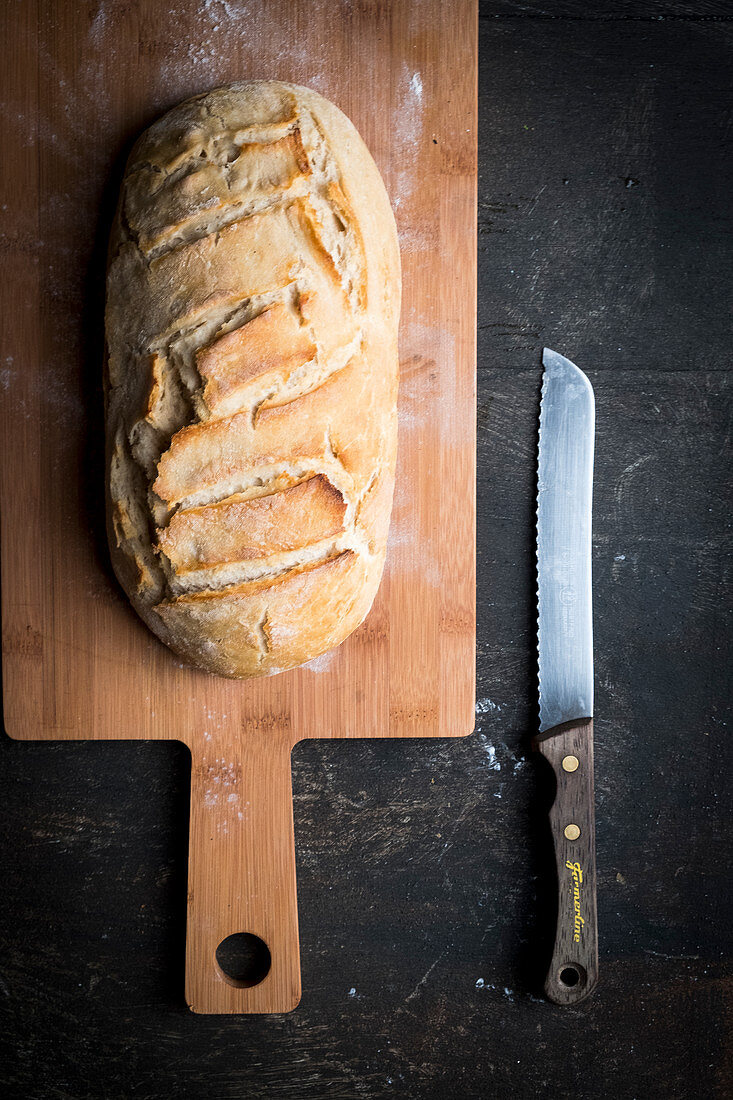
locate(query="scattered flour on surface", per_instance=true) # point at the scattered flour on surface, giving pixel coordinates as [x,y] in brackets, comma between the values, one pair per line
[7,373]
[507,992]
[408,116]
[416,85]
[216,9]
[490,751]
[407,130]
[322,663]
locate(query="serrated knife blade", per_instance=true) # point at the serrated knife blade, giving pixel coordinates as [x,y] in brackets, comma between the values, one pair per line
[564,503]
[565,643]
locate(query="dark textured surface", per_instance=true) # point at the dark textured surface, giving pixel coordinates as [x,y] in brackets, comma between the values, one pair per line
[425,873]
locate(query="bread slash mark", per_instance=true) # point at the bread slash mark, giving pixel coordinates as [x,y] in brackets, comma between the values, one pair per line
[263,638]
[211,189]
[240,529]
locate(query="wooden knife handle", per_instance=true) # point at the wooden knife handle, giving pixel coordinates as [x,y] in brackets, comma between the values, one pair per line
[574,969]
[241,874]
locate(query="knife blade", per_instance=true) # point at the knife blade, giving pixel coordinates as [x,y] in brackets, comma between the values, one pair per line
[565,646]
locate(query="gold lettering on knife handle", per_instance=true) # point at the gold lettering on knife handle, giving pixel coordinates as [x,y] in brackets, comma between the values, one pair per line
[575,885]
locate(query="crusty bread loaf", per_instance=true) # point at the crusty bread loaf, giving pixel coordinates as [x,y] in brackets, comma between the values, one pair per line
[253,297]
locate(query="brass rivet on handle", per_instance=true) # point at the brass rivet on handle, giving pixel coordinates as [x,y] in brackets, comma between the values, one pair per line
[572,832]
[570,763]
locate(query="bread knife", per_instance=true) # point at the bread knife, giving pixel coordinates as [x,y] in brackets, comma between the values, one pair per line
[565,643]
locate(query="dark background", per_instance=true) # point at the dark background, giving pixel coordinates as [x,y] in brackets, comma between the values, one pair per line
[425,881]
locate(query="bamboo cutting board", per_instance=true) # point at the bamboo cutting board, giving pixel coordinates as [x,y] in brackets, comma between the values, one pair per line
[81,81]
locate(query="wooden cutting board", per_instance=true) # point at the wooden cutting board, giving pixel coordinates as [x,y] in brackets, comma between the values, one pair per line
[81,81]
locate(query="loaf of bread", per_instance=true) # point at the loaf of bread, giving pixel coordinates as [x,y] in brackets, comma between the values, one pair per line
[253,297]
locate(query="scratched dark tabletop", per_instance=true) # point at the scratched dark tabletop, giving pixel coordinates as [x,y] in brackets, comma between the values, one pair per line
[425,872]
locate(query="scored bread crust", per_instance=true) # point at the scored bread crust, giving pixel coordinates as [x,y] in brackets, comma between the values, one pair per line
[253,298]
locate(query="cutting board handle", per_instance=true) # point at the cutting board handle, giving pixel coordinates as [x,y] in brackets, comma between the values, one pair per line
[573,971]
[241,874]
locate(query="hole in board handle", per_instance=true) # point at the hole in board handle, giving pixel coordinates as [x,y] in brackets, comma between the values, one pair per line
[571,975]
[243,959]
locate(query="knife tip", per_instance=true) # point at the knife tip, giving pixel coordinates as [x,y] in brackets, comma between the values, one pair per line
[557,366]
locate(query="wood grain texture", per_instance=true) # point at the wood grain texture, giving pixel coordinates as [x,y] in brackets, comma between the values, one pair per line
[241,873]
[77,663]
[573,972]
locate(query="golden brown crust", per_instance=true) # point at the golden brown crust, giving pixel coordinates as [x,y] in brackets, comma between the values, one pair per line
[252,307]
[266,627]
[183,201]
[265,350]
[336,424]
[239,529]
